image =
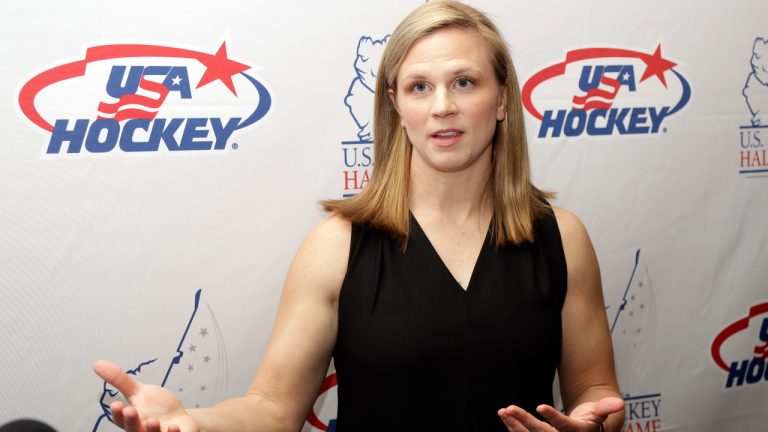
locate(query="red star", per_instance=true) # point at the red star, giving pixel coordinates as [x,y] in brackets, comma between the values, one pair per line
[219,67]
[656,65]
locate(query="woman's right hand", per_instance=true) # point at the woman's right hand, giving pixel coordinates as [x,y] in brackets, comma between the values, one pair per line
[152,409]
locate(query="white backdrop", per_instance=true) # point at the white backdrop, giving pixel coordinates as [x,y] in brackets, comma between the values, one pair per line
[137,256]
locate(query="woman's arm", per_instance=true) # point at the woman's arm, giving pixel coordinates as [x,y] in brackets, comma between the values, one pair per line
[586,370]
[294,365]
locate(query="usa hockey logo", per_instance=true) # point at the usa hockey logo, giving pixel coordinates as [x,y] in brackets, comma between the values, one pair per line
[137,98]
[741,349]
[323,414]
[606,91]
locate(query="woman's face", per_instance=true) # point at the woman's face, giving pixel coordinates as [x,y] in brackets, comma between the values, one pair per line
[449,101]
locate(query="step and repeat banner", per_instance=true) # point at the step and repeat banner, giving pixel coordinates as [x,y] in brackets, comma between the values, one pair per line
[160,163]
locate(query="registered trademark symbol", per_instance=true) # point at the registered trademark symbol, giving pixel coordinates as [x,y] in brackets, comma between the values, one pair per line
[235,146]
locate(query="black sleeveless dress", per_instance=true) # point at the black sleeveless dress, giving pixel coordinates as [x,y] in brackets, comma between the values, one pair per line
[416,352]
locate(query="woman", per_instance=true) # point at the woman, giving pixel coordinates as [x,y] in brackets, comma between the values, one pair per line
[448,292]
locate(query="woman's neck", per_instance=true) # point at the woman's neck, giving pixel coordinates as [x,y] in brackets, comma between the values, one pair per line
[458,197]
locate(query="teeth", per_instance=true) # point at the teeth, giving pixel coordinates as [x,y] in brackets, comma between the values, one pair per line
[447,134]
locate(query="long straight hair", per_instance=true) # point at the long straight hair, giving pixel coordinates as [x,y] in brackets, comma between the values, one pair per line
[384,202]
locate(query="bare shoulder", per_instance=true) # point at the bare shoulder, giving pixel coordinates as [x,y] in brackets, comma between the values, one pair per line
[323,255]
[331,232]
[577,246]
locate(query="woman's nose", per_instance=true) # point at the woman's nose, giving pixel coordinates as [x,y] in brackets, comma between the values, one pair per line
[444,103]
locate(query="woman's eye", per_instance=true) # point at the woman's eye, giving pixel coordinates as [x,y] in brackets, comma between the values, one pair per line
[464,83]
[420,87]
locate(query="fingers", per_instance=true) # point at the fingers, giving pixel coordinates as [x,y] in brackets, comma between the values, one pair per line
[510,422]
[132,420]
[557,419]
[117,413]
[517,419]
[127,417]
[153,425]
[112,374]
[607,406]
[590,413]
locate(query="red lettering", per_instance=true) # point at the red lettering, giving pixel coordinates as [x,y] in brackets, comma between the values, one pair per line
[750,159]
[643,427]
[656,425]
[353,179]
[745,158]
[364,181]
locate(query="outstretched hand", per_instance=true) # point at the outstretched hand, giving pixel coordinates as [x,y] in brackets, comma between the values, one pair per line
[152,409]
[586,417]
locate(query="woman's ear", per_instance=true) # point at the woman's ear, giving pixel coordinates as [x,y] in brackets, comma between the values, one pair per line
[393,99]
[501,110]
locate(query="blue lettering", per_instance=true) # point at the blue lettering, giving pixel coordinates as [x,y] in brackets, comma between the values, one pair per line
[737,373]
[756,365]
[367,157]
[127,141]
[60,134]
[354,160]
[575,123]
[115,85]
[617,119]
[156,70]
[611,69]
[364,160]
[556,124]
[144,135]
[222,133]
[743,145]
[589,80]
[102,136]
[636,121]
[643,409]
[764,331]
[163,133]
[646,408]
[656,404]
[627,77]
[195,128]
[177,80]
[752,371]
[657,117]
[752,140]
[593,128]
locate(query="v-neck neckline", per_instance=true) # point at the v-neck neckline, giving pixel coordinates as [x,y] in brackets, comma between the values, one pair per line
[439,259]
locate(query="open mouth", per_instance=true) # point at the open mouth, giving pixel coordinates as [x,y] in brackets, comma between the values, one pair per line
[446,134]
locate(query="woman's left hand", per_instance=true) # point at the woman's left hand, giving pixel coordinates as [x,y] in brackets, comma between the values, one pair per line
[586,417]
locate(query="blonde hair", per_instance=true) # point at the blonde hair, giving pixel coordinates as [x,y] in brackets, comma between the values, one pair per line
[383,202]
